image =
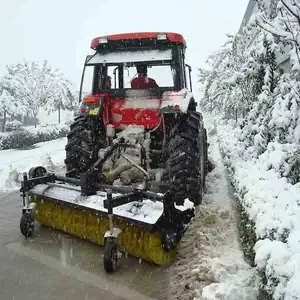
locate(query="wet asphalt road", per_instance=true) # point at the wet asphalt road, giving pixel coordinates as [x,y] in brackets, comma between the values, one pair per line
[52,265]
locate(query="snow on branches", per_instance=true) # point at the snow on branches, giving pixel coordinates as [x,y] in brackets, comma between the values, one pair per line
[7,107]
[284,24]
[31,86]
[245,78]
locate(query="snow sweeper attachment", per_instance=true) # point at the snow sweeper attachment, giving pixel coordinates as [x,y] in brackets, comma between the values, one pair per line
[122,218]
[136,154]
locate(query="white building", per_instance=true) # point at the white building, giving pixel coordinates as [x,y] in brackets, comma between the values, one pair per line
[250,10]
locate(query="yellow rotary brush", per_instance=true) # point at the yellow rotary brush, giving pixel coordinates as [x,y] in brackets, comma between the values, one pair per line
[137,241]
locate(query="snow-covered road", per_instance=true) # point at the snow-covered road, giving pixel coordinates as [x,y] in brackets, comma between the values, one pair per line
[53,265]
[211,264]
[61,267]
[14,162]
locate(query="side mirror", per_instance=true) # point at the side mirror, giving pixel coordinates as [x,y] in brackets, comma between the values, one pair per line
[115,76]
[190,76]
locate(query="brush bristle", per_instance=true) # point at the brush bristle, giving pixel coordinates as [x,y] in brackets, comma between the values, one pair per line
[137,241]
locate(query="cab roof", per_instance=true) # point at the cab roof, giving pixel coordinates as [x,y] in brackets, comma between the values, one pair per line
[171,37]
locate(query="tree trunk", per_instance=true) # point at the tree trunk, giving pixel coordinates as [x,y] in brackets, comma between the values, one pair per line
[59,114]
[4,120]
[35,120]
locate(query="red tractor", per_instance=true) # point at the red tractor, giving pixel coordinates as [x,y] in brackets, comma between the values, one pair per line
[167,112]
[137,146]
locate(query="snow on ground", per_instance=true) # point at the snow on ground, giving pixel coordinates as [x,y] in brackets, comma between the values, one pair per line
[273,205]
[14,162]
[52,118]
[210,263]
[46,128]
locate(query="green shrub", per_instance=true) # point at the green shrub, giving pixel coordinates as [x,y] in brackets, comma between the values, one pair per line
[24,139]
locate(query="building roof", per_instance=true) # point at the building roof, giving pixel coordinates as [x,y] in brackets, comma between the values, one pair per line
[248,14]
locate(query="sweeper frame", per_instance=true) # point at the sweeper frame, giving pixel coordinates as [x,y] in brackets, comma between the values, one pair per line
[172,222]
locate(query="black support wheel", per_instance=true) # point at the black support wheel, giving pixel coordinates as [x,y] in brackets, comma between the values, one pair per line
[27,225]
[185,166]
[85,139]
[110,259]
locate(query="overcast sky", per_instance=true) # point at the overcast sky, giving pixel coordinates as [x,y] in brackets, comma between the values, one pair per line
[60,31]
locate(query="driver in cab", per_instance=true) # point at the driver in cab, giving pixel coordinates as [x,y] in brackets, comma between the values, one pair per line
[142,81]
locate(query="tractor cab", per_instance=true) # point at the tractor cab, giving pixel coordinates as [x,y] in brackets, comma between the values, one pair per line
[109,73]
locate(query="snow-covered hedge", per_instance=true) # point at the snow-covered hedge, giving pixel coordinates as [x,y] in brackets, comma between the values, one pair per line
[251,83]
[26,138]
[270,211]
[13,125]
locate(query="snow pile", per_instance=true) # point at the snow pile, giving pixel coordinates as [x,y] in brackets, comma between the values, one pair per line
[272,203]
[210,264]
[235,280]
[14,162]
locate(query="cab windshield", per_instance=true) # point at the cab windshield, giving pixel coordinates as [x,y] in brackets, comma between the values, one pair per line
[116,70]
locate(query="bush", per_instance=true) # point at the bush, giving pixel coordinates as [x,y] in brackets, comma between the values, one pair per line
[13,125]
[24,139]
[21,139]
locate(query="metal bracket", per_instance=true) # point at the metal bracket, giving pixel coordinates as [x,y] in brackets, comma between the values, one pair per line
[121,200]
[28,184]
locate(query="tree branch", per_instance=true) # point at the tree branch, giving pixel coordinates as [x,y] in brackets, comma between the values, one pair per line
[269,28]
[291,11]
[298,6]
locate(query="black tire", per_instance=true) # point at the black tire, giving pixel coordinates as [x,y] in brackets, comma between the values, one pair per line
[37,172]
[110,258]
[27,225]
[208,165]
[86,137]
[185,166]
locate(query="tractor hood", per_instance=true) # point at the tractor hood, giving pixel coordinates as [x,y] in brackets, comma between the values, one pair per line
[144,110]
[136,111]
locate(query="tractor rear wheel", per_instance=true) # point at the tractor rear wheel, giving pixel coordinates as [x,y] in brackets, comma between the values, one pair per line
[86,137]
[185,166]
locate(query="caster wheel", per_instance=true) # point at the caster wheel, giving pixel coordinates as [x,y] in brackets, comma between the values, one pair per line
[110,259]
[27,225]
[169,240]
